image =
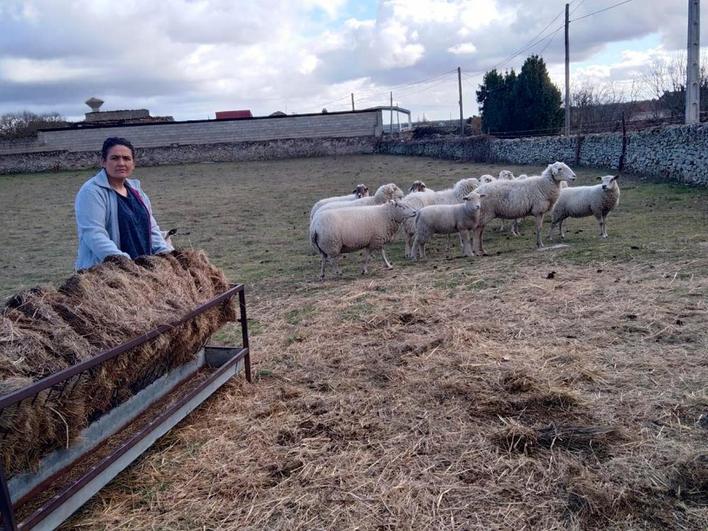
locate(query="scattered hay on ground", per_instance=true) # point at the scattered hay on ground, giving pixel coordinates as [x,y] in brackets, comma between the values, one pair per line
[392,403]
[44,330]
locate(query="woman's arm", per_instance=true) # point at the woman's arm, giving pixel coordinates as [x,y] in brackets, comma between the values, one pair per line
[90,207]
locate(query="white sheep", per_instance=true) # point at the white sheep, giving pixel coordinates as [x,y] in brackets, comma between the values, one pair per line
[583,201]
[486,179]
[345,230]
[361,190]
[517,199]
[449,196]
[385,192]
[447,219]
[506,175]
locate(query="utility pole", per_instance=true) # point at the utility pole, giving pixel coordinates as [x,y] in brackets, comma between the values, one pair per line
[352,101]
[391,120]
[459,88]
[567,72]
[693,90]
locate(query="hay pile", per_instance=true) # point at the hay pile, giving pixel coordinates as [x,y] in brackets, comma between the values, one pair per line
[44,330]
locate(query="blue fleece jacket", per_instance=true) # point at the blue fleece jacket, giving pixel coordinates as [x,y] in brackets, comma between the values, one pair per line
[96,209]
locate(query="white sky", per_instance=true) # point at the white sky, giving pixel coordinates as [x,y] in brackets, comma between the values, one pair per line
[190,58]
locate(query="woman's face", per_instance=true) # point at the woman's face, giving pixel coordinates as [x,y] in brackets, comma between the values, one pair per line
[119,164]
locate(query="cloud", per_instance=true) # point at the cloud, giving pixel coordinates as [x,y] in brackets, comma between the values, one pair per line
[189,58]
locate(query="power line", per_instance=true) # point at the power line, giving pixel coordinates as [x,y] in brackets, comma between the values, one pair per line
[601,10]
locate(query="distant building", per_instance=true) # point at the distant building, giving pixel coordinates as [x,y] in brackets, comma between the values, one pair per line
[230,115]
[122,117]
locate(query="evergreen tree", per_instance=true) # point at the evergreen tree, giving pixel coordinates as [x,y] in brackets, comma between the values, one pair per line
[537,99]
[529,101]
[495,100]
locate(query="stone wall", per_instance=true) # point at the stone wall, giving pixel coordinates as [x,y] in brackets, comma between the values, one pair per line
[200,141]
[675,153]
[331,125]
[219,152]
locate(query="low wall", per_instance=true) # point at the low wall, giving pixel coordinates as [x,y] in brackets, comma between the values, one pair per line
[58,160]
[676,153]
[348,124]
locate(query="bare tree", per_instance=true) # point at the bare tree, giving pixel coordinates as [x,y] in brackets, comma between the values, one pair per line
[665,80]
[26,124]
[600,107]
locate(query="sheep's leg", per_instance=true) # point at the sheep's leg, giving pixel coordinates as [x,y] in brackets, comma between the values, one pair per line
[477,236]
[410,252]
[365,269]
[415,249]
[383,255]
[550,231]
[464,241]
[466,245]
[515,227]
[322,267]
[603,228]
[337,268]
[539,225]
[561,230]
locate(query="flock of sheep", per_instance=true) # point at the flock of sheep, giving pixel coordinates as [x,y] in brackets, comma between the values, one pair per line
[358,221]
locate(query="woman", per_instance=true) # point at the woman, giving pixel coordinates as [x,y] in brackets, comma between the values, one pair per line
[113,214]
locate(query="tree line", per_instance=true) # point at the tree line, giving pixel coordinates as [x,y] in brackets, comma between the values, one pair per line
[530,104]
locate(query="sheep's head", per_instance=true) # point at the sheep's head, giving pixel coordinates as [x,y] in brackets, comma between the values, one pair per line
[522,177]
[401,210]
[609,182]
[361,190]
[560,172]
[389,191]
[473,200]
[506,175]
[464,187]
[418,186]
[484,179]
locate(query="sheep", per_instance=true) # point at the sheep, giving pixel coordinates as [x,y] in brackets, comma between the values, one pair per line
[506,175]
[486,179]
[448,196]
[345,230]
[517,199]
[419,186]
[361,190]
[384,193]
[582,201]
[447,219]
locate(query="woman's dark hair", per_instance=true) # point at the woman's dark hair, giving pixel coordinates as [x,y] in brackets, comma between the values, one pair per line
[115,141]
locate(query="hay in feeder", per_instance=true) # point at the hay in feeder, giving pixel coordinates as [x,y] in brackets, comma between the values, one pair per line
[44,330]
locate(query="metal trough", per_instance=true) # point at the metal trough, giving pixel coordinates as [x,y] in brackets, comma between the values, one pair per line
[67,478]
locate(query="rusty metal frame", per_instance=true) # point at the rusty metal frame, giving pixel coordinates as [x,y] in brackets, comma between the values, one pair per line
[242,354]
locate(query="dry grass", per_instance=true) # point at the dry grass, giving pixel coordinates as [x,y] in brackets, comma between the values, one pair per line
[575,402]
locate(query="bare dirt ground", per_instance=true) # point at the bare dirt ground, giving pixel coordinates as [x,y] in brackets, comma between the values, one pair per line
[557,389]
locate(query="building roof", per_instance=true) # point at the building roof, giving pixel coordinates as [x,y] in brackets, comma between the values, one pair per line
[228,115]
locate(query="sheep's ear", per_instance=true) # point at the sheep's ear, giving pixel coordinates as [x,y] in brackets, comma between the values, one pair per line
[482,195]
[615,177]
[598,178]
[554,169]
